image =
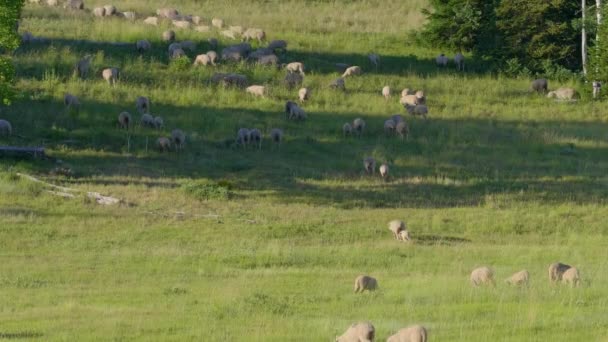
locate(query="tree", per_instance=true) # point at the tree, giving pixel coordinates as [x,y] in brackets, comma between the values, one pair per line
[598,66]
[10,11]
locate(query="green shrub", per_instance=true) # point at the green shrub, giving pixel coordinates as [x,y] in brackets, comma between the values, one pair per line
[207,190]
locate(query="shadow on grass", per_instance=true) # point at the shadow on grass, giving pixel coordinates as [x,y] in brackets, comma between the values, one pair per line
[440,240]
[19,335]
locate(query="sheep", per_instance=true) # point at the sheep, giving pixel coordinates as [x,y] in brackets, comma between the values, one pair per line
[409,100]
[369,165]
[169,13]
[182,24]
[159,122]
[358,332]
[347,129]
[163,144]
[256,90]
[421,110]
[124,120]
[406,91]
[402,129]
[374,59]
[276,135]
[352,71]
[234,80]
[572,277]
[597,87]
[143,45]
[212,43]
[217,22]
[267,60]
[110,75]
[151,21]
[556,271]
[255,137]
[414,333]
[482,276]
[74,4]
[212,56]
[540,85]
[404,236]
[188,45]
[304,94]
[129,15]
[518,278]
[563,94]
[364,282]
[52,2]
[254,33]
[338,83]
[293,80]
[359,126]
[99,12]
[217,77]
[278,45]
[397,118]
[420,97]
[142,104]
[168,36]
[196,19]
[396,227]
[82,67]
[202,60]
[236,29]
[386,92]
[110,10]
[294,112]
[177,53]
[243,136]
[6,129]
[383,171]
[202,28]
[441,60]
[389,126]
[295,67]
[459,61]
[71,102]
[178,138]
[261,52]
[147,120]
[236,52]
[228,34]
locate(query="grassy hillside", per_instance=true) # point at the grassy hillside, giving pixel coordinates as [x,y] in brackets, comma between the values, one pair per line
[220,243]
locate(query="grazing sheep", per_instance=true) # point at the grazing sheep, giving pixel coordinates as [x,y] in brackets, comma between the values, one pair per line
[228,34]
[519,278]
[188,45]
[212,57]
[396,227]
[295,67]
[129,15]
[110,75]
[178,138]
[411,100]
[159,122]
[441,60]
[109,10]
[278,45]
[352,71]
[99,12]
[359,126]
[397,118]
[459,61]
[276,135]
[169,13]
[386,92]
[256,90]
[74,4]
[597,87]
[243,137]
[52,2]
[236,29]
[71,102]
[142,46]
[304,94]
[404,236]
[369,165]
[177,53]
[147,120]
[254,33]
[482,276]
[151,21]
[261,52]
[420,98]
[267,60]
[374,59]
[540,85]
[142,104]
[6,129]
[341,67]
[202,28]
[124,120]
[168,36]
[389,126]
[556,271]
[383,170]
[414,333]
[234,80]
[82,67]
[236,52]
[364,282]
[202,60]
[563,94]
[196,19]
[294,112]
[421,110]
[572,277]
[163,144]
[347,129]
[358,332]
[406,91]
[182,24]
[293,80]
[255,137]
[402,129]
[338,83]
[216,22]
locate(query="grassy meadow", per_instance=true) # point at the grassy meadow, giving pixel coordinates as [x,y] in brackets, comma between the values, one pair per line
[221,243]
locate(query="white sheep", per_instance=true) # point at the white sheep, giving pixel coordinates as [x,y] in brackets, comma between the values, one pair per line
[110,10]
[256,90]
[369,165]
[52,2]
[212,56]
[519,278]
[129,15]
[6,129]
[442,60]
[142,104]
[564,94]
[358,332]
[364,282]
[151,21]
[347,129]
[414,333]
[482,276]
[389,126]
[217,22]
[169,13]
[163,144]
[196,19]
[168,36]
[459,61]
[386,92]
[143,45]
[254,33]
[352,71]
[396,227]
[255,137]
[374,59]
[178,138]
[421,110]
[124,120]
[556,271]
[110,75]
[572,277]
[202,60]
[182,24]
[411,100]
[276,135]
[359,126]
[295,67]
[243,136]
[82,67]
[99,12]
[383,170]
[304,94]
[404,236]
[406,91]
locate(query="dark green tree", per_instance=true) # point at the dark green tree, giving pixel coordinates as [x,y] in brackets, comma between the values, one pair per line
[598,64]
[10,12]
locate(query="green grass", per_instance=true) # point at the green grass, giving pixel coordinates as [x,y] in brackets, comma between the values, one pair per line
[218,243]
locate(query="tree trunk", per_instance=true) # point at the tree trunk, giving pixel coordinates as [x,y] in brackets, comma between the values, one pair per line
[598,14]
[584,39]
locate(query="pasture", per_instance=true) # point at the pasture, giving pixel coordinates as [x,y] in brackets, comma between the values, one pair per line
[224,243]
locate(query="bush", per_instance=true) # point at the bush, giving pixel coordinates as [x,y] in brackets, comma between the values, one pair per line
[208,190]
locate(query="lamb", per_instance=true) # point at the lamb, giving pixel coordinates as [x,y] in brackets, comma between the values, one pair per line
[347,129]
[421,110]
[364,282]
[293,79]
[295,67]
[386,92]
[519,278]
[563,94]
[338,84]
[151,21]
[540,85]
[294,112]
[178,138]
[304,94]
[143,45]
[99,12]
[159,122]
[402,129]
[202,60]
[441,60]
[374,59]
[254,33]
[168,36]
[124,120]
[396,227]
[358,332]
[243,136]
[228,34]
[212,57]
[256,90]
[359,126]
[572,277]
[389,126]
[278,45]
[71,102]
[459,61]
[255,137]
[169,13]
[6,129]
[383,170]
[352,71]
[142,104]
[557,270]
[217,22]
[420,98]
[110,10]
[482,276]
[82,67]
[110,75]
[182,24]
[414,333]
[147,120]
[276,135]
[163,144]
[369,165]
